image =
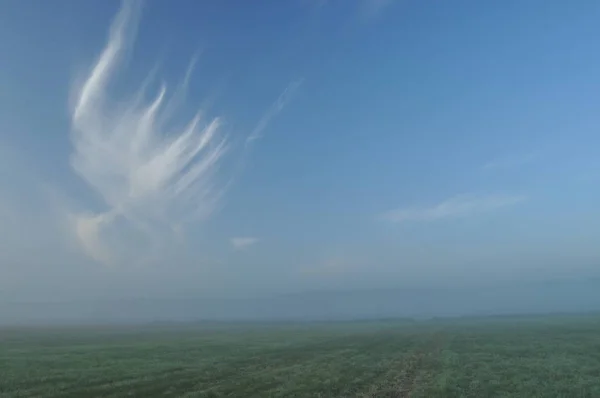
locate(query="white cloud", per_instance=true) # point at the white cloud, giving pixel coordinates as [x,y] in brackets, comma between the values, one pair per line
[458,206]
[151,174]
[153,171]
[239,243]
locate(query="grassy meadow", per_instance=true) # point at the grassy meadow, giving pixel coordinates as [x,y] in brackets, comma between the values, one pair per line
[491,357]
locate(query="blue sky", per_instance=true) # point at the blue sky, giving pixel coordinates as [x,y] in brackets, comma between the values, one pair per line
[341,144]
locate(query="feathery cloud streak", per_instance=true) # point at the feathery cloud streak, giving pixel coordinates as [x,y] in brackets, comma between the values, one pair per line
[274,109]
[151,175]
[372,8]
[458,206]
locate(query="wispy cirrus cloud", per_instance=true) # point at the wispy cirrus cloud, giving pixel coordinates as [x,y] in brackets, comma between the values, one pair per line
[151,175]
[239,243]
[458,206]
[153,171]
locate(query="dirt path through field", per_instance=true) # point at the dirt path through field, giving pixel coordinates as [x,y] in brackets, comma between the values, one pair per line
[415,363]
[408,381]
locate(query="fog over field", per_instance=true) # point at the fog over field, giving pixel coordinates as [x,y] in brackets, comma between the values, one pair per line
[299,198]
[532,298]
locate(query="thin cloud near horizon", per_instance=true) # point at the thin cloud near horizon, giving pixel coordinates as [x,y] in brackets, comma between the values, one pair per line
[457,206]
[510,162]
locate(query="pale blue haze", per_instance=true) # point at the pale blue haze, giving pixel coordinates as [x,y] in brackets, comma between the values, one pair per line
[419,144]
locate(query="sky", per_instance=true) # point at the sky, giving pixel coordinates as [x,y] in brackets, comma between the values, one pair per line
[238,149]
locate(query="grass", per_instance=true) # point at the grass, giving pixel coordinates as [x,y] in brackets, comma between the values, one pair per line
[495,357]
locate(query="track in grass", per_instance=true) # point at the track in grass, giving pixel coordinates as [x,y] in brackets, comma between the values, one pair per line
[417,367]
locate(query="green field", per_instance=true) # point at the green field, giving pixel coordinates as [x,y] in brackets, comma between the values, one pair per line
[494,357]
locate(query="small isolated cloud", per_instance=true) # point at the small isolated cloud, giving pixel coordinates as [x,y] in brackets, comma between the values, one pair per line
[240,243]
[458,206]
[510,162]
